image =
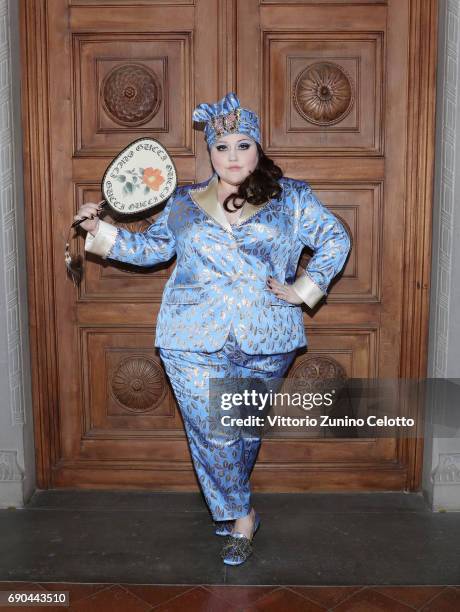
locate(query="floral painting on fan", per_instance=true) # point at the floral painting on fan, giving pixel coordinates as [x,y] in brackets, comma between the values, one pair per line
[147,178]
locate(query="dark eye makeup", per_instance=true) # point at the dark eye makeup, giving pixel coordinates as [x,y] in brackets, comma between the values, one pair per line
[241,145]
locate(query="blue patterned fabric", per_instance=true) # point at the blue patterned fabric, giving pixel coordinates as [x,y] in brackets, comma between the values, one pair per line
[221,271]
[218,319]
[223,467]
[227,117]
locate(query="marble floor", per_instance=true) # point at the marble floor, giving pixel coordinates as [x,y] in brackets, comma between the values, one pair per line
[134,550]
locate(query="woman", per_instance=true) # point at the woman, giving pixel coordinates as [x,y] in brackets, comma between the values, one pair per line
[231,308]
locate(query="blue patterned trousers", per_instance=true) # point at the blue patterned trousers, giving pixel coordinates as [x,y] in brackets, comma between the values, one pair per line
[223,468]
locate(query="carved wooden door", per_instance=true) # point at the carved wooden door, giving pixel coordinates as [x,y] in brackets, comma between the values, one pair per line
[342,105]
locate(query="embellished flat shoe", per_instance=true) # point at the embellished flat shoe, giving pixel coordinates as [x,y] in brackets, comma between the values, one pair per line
[224,528]
[237,547]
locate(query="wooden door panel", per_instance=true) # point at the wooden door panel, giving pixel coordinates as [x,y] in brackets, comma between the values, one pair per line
[129,85]
[349,68]
[359,207]
[125,390]
[352,351]
[305,2]
[344,90]
[323,17]
[154,17]
[123,3]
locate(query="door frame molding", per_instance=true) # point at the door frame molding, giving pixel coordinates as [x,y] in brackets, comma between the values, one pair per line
[38,203]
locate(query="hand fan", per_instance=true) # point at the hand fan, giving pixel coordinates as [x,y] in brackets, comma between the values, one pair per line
[140,177]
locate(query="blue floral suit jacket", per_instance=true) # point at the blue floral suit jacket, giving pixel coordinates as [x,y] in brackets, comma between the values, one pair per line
[221,269]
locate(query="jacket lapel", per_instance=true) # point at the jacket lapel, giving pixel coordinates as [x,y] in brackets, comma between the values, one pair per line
[249,210]
[206,198]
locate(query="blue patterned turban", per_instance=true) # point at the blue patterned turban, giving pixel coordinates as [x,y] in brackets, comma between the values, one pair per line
[227,117]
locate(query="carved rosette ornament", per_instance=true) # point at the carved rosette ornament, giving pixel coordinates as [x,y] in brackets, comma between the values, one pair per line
[138,384]
[131,94]
[323,93]
[318,374]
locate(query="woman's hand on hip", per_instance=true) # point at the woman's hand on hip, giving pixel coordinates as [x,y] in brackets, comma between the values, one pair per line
[283,291]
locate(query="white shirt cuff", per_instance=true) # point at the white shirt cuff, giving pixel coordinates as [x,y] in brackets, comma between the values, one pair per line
[103,241]
[307,290]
